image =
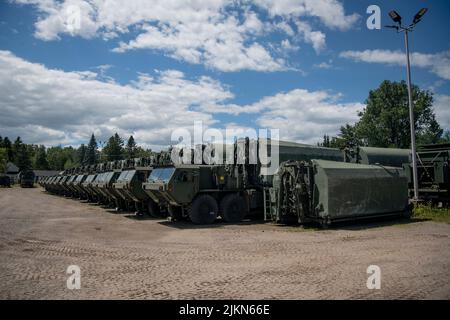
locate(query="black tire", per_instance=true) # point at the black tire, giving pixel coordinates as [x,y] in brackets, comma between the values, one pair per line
[204,210]
[232,208]
[153,209]
[175,212]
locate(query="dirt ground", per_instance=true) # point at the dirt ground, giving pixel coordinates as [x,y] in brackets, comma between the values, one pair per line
[127,258]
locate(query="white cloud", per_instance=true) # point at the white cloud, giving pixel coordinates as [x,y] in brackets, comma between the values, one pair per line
[49,106]
[305,116]
[222,34]
[438,63]
[57,107]
[315,38]
[301,115]
[324,65]
[441,108]
[330,12]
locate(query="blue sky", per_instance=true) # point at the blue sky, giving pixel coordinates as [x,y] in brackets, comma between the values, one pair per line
[148,67]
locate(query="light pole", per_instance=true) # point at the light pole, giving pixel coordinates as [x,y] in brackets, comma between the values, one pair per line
[398,19]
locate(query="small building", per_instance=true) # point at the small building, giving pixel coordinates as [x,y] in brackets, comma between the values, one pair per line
[12,171]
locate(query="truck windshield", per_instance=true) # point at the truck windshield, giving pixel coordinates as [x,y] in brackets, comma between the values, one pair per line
[126,175]
[108,176]
[89,178]
[161,175]
[99,178]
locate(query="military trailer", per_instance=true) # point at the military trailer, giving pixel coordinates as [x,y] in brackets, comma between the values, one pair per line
[433,163]
[327,191]
[26,179]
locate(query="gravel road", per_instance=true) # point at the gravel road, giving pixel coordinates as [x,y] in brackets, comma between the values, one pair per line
[121,257]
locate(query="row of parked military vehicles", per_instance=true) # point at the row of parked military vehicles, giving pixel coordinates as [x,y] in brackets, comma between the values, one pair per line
[310,184]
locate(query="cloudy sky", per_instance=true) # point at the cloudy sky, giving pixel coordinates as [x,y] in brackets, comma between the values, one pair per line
[147,67]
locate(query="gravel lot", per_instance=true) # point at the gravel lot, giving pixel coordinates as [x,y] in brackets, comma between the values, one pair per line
[127,258]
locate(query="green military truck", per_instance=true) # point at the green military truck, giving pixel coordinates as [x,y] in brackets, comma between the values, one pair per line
[26,179]
[231,191]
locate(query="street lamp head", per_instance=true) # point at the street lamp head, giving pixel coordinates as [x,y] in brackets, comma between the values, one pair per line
[395,16]
[419,15]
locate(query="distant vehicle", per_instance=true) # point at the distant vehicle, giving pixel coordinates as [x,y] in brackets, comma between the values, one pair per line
[26,179]
[5,181]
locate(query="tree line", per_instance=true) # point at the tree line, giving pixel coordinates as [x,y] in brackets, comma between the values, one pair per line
[384,122]
[38,157]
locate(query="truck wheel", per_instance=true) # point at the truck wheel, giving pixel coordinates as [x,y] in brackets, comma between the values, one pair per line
[153,209]
[232,207]
[175,213]
[204,210]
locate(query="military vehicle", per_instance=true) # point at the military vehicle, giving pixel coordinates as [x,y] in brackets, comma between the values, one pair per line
[204,192]
[104,185]
[327,191]
[392,157]
[433,170]
[129,184]
[26,179]
[5,181]
[314,184]
[77,185]
[87,186]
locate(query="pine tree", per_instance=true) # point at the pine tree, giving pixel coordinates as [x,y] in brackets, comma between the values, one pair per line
[114,148]
[131,148]
[22,156]
[91,152]
[9,150]
[81,154]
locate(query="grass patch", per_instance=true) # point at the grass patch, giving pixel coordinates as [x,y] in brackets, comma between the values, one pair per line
[428,212]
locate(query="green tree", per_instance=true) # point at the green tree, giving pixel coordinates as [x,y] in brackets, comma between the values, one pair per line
[81,155]
[385,120]
[114,148]
[41,162]
[22,155]
[91,155]
[131,148]
[16,149]
[68,164]
[3,159]
[9,149]
[346,136]
[57,157]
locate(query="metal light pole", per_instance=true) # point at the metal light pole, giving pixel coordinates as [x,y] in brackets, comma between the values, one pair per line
[398,19]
